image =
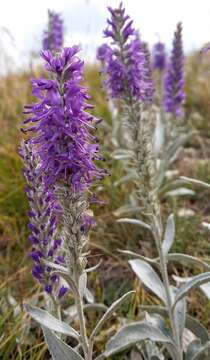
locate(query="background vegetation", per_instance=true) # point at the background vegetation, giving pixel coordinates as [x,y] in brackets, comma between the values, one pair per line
[20,337]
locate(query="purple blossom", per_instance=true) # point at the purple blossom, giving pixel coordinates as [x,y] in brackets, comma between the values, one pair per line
[103,53]
[159,56]
[88,222]
[126,65]
[174,79]
[45,247]
[53,36]
[62,129]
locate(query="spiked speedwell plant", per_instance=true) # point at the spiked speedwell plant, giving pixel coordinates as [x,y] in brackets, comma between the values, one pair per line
[60,158]
[161,334]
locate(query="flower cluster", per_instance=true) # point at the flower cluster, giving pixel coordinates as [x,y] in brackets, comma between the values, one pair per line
[174,80]
[46,246]
[53,36]
[126,65]
[63,129]
[159,56]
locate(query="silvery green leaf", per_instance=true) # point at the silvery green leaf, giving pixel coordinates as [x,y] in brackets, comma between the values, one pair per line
[192,349]
[126,209]
[134,222]
[188,260]
[152,351]
[110,311]
[149,277]
[93,268]
[180,192]
[195,281]
[180,316]
[204,350]
[88,296]
[195,181]
[187,338]
[50,322]
[141,257]
[169,235]
[191,323]
[82,283]
[197,328]
[157,321]
[58,349]
[134,333]
[205,287]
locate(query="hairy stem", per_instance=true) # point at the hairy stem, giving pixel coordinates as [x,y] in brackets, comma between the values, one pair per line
[86,345]
[157,233]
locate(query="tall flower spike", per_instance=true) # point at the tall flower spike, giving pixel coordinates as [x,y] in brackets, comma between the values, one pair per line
[129,79]
[174,81]
[53,36]
[61,135]
[46,246]
[159,56]
[126,64]
[62,127]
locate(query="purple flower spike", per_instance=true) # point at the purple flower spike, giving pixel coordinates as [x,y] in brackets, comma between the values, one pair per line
[125,60]
[53,36]
[42,243]
[174,80]
[159,56]
[62,135]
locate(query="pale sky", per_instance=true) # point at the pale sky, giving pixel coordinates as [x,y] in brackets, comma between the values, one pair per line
[85,19]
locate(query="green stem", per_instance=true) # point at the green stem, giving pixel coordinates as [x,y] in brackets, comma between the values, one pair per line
[86,345]
[157,232]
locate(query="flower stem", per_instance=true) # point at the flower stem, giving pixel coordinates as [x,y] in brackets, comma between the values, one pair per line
[157,233]
[87,347]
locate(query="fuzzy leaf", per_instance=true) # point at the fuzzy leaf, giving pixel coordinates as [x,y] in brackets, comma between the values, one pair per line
[169,235]
[192,349]
[180,316]
[180,192]
[58,349]
[88,296]
[82,284]
[138,256]
[195,181]
[149,277]
[110,312]
[191,323]
[127,209]
[134,222]
[202,351]
[196,281]
[188,259]
[50,322]
[131,334]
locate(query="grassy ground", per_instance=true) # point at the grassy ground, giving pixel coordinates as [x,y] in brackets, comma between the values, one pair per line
[20,338]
